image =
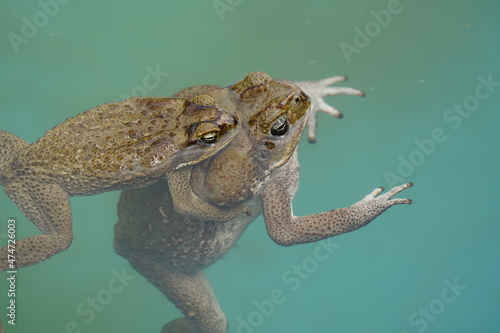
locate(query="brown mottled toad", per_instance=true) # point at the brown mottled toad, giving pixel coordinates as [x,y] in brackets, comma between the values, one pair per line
[112,146]
[164,231]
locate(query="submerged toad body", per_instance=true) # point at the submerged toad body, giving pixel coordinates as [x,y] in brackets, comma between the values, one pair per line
[110,147]
[164,229]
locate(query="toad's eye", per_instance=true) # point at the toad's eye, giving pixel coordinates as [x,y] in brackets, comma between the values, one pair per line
[298,101]
[210,137]
[280,127]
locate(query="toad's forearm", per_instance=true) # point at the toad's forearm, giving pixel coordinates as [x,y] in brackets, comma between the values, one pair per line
[286,229]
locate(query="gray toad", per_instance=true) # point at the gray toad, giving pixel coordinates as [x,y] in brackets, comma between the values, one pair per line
[164,232]
[109,147]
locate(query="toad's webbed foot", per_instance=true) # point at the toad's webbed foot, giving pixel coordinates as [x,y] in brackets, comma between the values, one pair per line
[191,293]
[316,90]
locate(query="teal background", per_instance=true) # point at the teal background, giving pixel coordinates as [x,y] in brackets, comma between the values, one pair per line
[425,60]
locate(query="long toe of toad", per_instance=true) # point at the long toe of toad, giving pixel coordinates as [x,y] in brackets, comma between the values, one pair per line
[316,90]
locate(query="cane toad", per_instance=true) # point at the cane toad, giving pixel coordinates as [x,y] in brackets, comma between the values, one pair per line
[164,232]
[112,146]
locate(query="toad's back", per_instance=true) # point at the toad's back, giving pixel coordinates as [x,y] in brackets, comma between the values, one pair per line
[112,146]
[132,140]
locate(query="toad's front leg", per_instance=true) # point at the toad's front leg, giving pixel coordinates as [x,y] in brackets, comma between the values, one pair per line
[187,203]
[286,229]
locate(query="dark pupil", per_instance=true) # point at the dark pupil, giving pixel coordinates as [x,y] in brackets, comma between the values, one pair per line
[209,138]
[280,127]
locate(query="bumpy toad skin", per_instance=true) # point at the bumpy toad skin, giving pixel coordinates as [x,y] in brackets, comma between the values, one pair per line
[110,147]
[259,169]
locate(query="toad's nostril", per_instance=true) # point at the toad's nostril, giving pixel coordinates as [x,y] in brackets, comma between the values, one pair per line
[269,145]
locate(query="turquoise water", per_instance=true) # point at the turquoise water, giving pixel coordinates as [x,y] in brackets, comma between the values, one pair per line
[429,267]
